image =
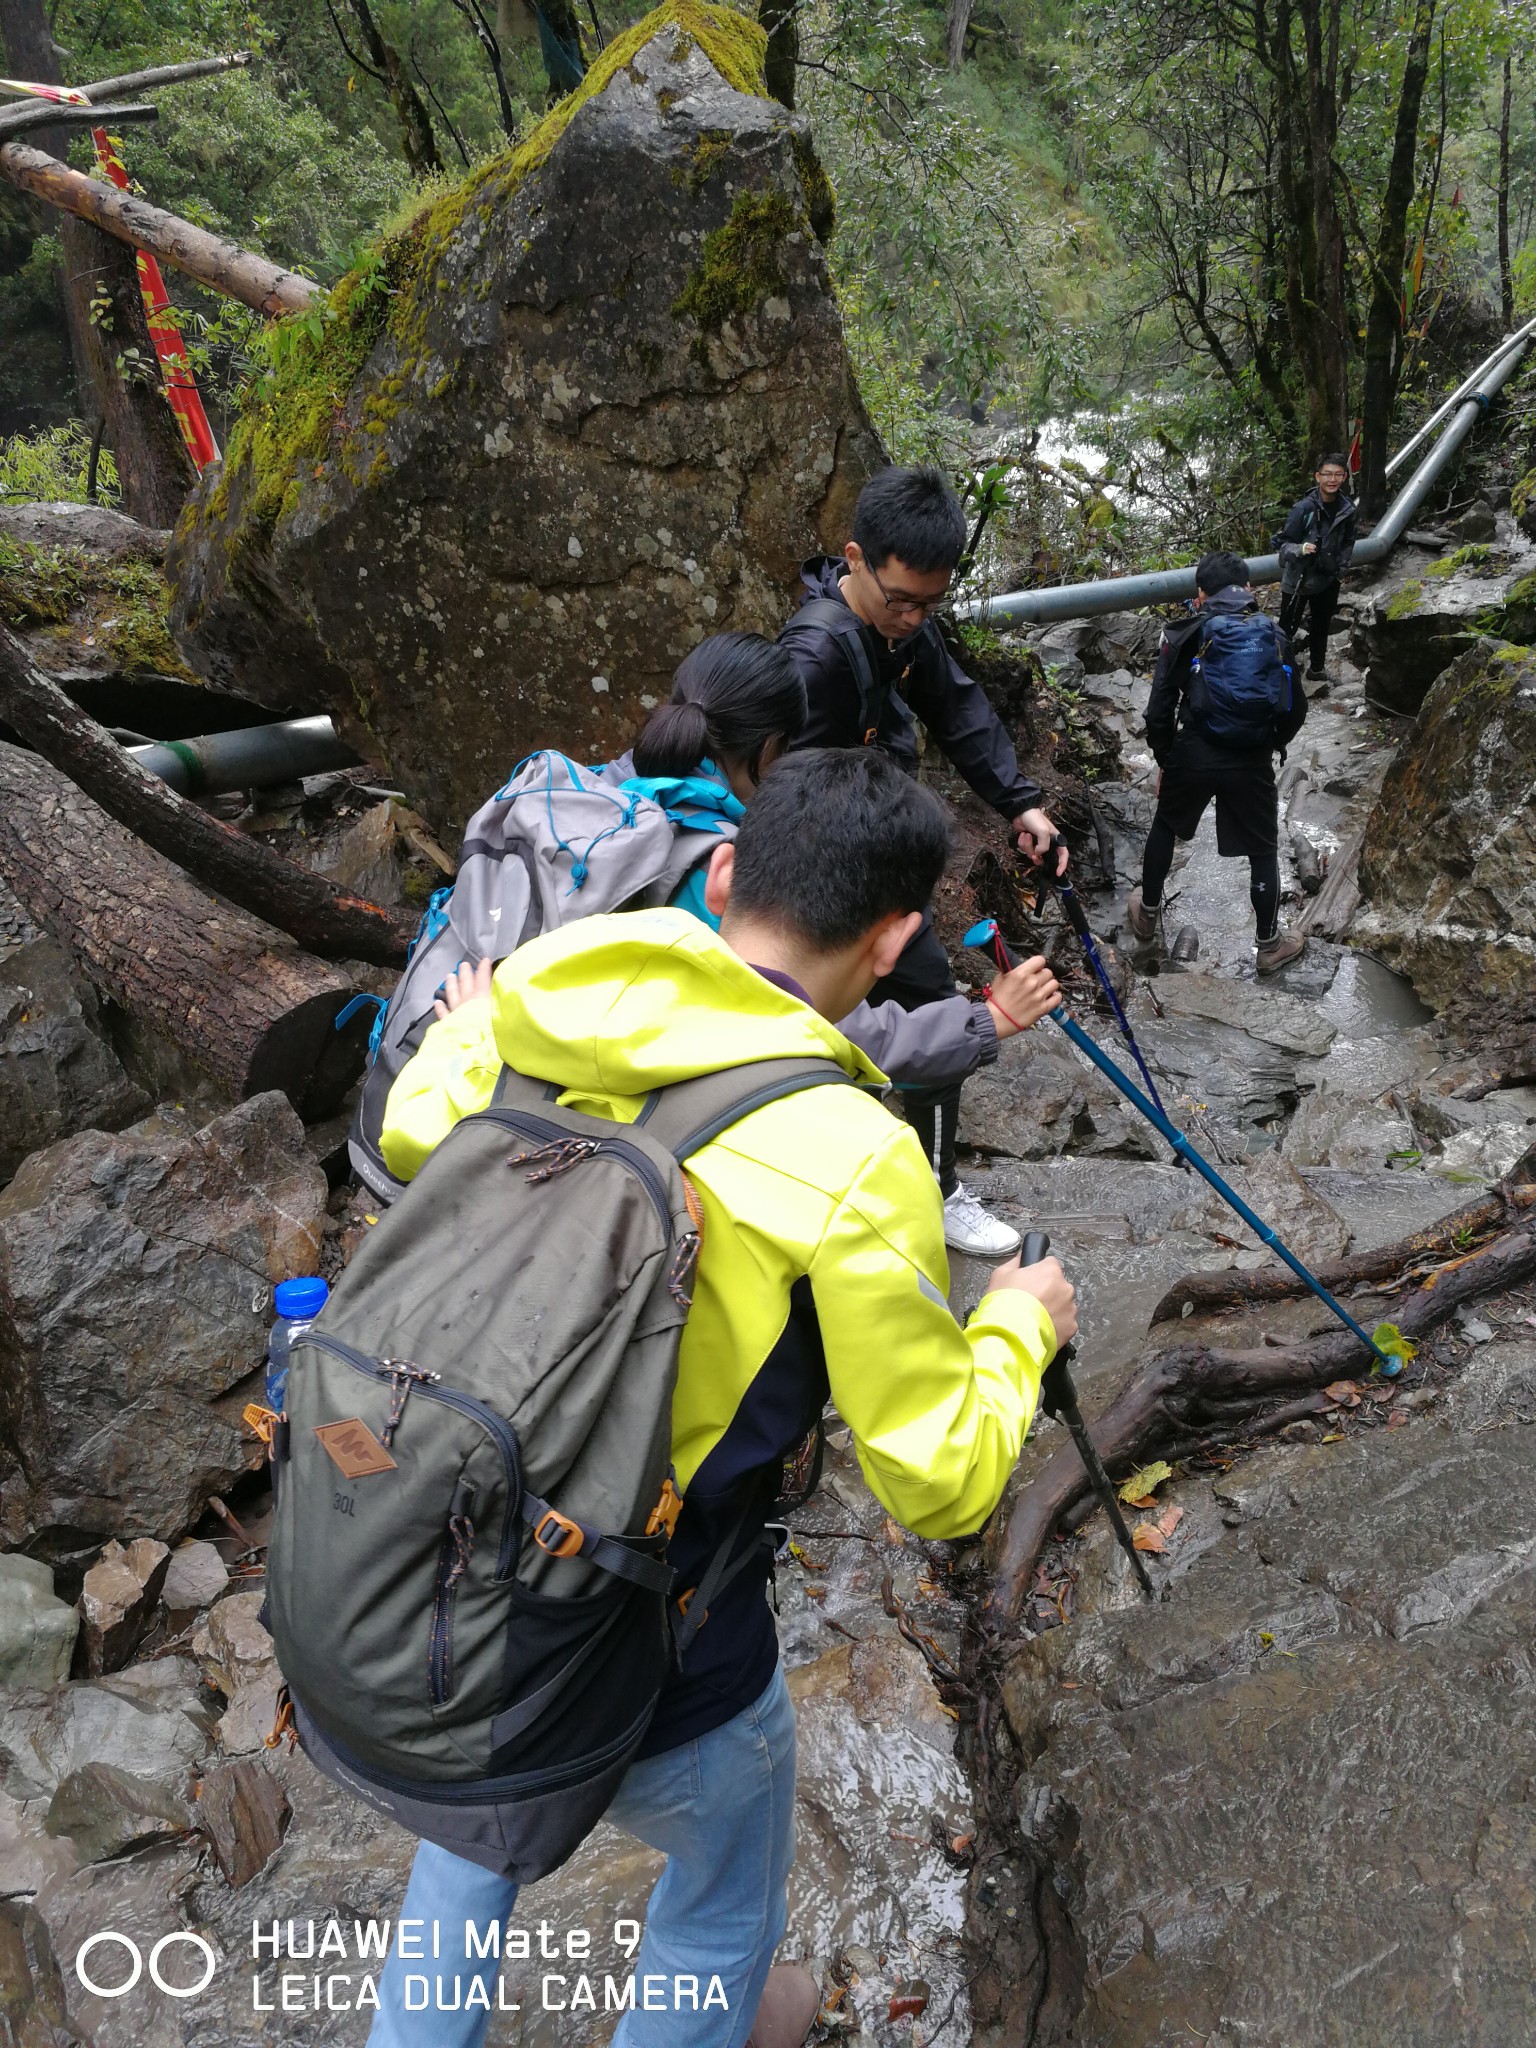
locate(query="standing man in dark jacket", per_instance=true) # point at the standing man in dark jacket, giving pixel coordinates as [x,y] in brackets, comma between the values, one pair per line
[1315,547]
[866,644]
[1224,702]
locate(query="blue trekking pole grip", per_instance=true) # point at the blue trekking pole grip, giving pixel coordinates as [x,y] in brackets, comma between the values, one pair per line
[986,933]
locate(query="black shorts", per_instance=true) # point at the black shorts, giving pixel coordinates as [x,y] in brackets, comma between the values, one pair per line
[1243,786]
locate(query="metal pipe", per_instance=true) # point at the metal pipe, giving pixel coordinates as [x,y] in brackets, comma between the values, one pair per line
[1168,586]
[251,758]
[1449,405]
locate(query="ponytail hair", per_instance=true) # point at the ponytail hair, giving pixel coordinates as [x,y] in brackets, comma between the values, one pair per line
[733,694]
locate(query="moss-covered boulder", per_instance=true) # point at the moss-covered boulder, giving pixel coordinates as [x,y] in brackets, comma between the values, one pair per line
[1425,614]
[85,588]
[587,408]
[1449,860]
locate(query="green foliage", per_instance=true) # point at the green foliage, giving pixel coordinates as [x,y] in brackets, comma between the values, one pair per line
[1388,1338]
[53,465]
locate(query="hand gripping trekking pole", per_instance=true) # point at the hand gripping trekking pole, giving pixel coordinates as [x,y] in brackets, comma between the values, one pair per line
[1058,1397]
[986,934]
[1077,917]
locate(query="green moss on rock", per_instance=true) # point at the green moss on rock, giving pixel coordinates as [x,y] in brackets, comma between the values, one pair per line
[741,264]
[120,606]
[1476,555]
[286,433]
[1405,602]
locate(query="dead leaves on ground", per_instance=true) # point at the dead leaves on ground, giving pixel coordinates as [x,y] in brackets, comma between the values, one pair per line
[1154,1536]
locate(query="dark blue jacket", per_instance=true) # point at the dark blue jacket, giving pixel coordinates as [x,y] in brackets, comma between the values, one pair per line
[1333,531]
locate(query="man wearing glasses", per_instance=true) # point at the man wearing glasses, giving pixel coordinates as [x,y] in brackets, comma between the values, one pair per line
[871,656]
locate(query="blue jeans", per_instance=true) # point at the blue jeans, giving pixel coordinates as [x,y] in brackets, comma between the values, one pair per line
[722,1808]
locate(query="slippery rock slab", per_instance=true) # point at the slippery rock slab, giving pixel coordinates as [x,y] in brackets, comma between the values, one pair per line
[243,1811]
[1426,614]
[601,407]
[142,1897]
[1274,1800]
[1332,1129]
[37,1630]
[58,1073]
[117,1601]
[1266,1013]
[135,1277]
[1448,865]
[29,1857]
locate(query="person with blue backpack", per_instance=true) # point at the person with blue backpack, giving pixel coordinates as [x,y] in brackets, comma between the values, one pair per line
[1225,700]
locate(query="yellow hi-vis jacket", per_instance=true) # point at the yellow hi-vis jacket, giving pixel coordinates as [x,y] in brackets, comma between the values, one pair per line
[824,1187]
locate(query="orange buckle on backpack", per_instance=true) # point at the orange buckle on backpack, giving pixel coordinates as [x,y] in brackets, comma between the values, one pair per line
[869,737]
[260,1421]
[685,1601]
[666,1511]
[283,1729]
[570,1538]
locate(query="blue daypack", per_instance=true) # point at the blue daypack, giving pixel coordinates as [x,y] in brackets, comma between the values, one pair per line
[1238,684]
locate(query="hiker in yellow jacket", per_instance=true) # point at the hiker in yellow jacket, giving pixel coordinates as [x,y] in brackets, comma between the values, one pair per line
[823,1270]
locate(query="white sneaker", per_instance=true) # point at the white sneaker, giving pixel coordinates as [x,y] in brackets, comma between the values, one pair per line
[969,1228]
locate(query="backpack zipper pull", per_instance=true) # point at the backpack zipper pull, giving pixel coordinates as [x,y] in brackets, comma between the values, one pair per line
[402,1377]
[557,1157]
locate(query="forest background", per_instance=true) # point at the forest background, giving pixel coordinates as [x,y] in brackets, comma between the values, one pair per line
[1125,267]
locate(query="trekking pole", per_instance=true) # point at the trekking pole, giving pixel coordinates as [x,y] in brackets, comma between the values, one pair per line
[1077,917]
[1058,1397]
[986,932]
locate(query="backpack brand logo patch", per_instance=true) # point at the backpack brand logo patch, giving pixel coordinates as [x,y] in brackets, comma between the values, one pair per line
[353,1448]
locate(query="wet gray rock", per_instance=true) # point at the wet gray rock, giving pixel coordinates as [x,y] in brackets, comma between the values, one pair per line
[103,1811]
[142,1897]
[1448,865]
[153,1726]
[1265,1013]
[1477,523]
[37,1630]
[58,1071]
[135,1276]
[195,1577]
[1424,615]
[606,412]
[95,528]
[1307,1222]
[234,1648]
[1037,1101]
[1220,1779]
[1338,1129]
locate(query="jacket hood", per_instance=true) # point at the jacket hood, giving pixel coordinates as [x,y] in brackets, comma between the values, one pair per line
[1233,599]
[821,575]
[1342,503]
[612,1007]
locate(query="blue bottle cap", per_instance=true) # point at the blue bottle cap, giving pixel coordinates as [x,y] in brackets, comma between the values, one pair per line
[300,1299]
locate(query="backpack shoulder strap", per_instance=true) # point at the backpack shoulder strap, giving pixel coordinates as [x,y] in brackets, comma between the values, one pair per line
[833,616]
[692,1114]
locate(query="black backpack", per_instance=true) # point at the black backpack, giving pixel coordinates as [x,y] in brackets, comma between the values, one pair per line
[835,617]
[467,1581]
[1238,683]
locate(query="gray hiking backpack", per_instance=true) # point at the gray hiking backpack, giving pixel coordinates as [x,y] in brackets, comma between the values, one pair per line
[467,1580]
[557,842]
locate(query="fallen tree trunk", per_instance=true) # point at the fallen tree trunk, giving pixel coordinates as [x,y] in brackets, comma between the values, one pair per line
[1194,1395]
[306,906]
[222,266]
[1210,1293]
[244,1003]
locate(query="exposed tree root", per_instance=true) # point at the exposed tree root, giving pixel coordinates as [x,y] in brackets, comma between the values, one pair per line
[1193,1395]
[1209,1293]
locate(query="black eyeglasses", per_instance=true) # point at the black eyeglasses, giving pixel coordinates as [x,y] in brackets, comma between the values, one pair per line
[898,601]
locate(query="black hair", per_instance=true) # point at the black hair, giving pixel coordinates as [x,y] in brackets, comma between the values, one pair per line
[730,697]
[1333,462]
[836,839]
[1215,571]
[912,514]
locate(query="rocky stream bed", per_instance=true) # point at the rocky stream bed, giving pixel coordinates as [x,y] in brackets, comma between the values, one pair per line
[1290,1801]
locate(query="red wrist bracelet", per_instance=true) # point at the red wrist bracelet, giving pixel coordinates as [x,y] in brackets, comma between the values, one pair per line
[988,997]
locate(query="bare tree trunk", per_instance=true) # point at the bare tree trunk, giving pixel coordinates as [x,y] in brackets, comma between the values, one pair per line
[956,27]
[242,1001]
[222,266]
[1506,273]
[1384,320]
[779,18]
[114,356]
[312,909]
[383,63]
[1306,106]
